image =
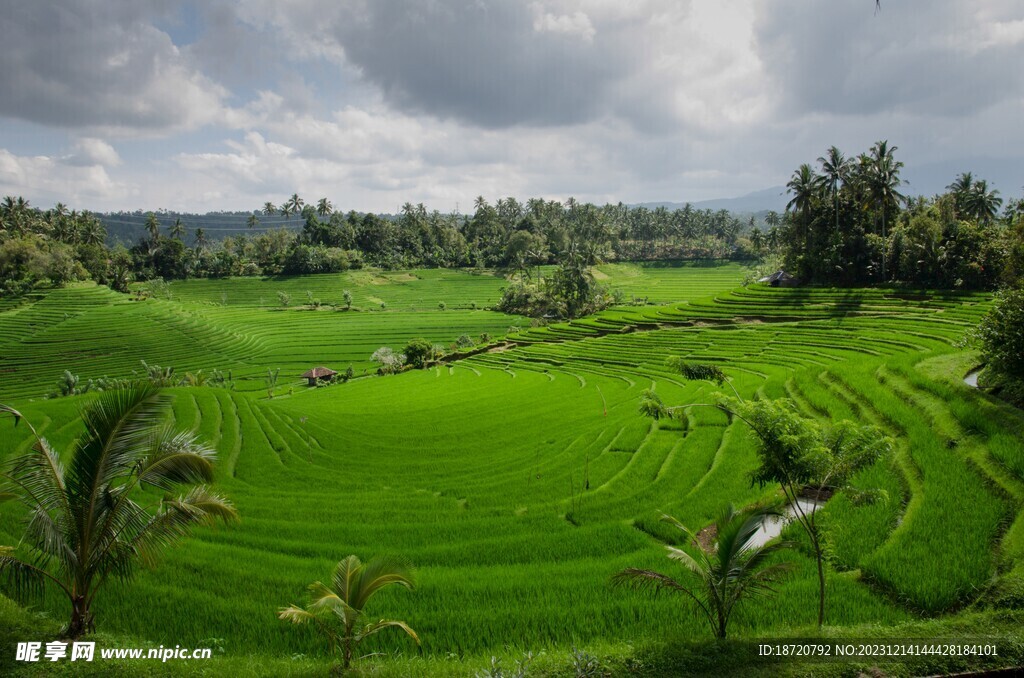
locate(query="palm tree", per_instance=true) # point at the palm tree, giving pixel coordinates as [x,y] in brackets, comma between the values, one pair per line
[85,526]
[723,573]
[803,185]
[324,207]
[177,229]
[286,210]
[269,209]
[153,227]
[200,238]
[984,203]
[961,189]
[295,203]
[834,168]
[337,610]
[883,182]
[93,232]
[253,221]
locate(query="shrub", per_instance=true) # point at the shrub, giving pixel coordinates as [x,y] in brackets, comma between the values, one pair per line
[1002,334]
[418,352]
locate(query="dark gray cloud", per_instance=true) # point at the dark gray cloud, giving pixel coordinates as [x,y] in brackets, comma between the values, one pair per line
[941,58]
[491,64]
[103,65]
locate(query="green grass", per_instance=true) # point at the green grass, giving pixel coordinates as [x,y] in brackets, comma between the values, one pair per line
[519,481]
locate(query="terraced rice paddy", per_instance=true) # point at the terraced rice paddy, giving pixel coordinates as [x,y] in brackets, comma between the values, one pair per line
[520,480]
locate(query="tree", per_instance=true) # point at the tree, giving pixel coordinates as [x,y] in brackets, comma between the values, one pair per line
[1002,334]
[153,227]
[803,186]
[295,204]
[347,296]
[389,362]
[253,221]
[834,168]
[85,526]
[200,238]
[324,207]
[799,453]
[418,351]
[177,229]
[337,610]
[883,181]
[269,209]
[961,189]
[984,203]
[723,573]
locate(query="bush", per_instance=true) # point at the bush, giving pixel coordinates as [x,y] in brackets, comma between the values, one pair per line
[1002,334]
[417,352]
[389,362]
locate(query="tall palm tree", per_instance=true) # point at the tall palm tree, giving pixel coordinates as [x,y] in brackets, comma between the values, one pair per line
[93,232]
[85,526]
[984,203]
[177,229]
[337,610]
[723,573]
[269,209]
[253,221]
[153,227]
[883,183]
[286,210]
[803,186]
[324,207]
[200,238]
[961,189]
[834,169]
[295,203]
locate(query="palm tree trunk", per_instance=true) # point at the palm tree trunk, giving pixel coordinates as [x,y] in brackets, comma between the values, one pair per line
[821,584]
[81,618]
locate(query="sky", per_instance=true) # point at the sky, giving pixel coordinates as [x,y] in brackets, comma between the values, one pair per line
[225,105]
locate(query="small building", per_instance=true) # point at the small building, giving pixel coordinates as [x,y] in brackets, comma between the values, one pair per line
[780,279]
[319,373]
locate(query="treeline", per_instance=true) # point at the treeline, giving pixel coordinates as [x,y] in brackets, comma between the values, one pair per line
[57,246]
[848,224]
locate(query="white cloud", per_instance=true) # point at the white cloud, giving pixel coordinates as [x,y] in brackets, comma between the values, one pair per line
[577,23]
[90,151]
[102,67]
[49,180]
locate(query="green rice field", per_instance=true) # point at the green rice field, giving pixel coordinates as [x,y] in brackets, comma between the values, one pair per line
[520,479]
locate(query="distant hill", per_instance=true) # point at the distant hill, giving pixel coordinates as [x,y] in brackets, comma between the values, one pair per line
[767,199]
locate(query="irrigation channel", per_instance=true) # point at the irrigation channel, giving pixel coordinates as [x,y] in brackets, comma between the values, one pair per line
[771,526]
[971,378]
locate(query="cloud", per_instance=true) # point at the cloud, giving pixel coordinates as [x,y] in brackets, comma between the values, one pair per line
[100,66]
[577,23]
[48,180]
[89,151]
[951,58]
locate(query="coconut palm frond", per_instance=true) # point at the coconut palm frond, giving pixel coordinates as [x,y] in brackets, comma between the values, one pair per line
[176,516]
[23,577]
[640,579]
[38,478]
[176,458]
[118,427]
[346,577]
[383,571]
[388,623]
[294,614]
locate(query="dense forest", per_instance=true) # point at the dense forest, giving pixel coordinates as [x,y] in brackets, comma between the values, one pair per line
[847,223]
